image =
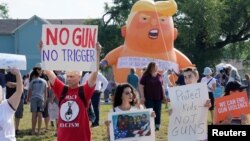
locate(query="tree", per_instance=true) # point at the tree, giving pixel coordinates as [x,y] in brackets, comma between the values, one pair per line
[4,11]
[206,27]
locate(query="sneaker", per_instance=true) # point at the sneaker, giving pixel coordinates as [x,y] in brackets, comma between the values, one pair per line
[94,125]
[52,123]
[18,132]
[157,128]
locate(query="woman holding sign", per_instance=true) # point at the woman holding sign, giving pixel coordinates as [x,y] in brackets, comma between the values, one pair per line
[125,100]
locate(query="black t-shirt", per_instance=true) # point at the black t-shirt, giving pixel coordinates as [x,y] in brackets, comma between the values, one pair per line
[10,78]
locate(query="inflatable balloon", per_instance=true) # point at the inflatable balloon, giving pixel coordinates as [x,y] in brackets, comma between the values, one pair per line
[149,36]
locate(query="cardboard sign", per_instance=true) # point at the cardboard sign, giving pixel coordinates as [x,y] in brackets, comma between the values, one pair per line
[69,47]
[188,121]
[234,104]
[12,60]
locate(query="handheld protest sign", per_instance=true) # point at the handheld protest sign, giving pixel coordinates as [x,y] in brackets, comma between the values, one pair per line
[69,47]
[13,60]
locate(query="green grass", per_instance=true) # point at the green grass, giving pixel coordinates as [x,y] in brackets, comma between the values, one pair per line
[98,134]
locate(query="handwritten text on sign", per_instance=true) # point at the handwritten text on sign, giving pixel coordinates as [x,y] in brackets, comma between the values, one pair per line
[188,120]
[234,104]
[141,62]
[69,45]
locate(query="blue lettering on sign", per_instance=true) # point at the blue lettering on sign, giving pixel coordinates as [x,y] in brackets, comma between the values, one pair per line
[78,55]
[49,55]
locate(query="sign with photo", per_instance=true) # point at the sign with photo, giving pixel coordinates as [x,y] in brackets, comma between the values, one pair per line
[188,120]
[132,125]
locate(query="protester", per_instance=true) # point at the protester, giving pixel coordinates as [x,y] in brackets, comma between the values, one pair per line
[125,99]
[101,85]
[133,78]
[167,83]
[8,108]
[211,85]
[10,90]
[45,112]
[37,97]
[151,91]
[73,122]
[247,83]
[191,76]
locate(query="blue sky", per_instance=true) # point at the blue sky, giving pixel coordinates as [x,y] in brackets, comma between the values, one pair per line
[56,9]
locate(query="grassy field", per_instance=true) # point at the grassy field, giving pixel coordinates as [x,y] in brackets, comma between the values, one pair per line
[98,134]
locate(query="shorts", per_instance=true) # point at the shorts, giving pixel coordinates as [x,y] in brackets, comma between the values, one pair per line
[36,105]
[211,97]
[19,111]
[46,109]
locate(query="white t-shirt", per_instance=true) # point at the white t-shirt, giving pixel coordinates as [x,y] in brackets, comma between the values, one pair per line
[7,127]
[101,81]
[210,84]
[166,80]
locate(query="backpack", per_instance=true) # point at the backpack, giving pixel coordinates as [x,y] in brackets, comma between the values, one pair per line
[90,109]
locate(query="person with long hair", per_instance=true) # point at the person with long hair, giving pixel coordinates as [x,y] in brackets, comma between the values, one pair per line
[125,99]
[151,90]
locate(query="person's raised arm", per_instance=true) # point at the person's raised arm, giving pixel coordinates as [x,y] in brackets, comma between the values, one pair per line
[15,98]
[51,75]
[93,75]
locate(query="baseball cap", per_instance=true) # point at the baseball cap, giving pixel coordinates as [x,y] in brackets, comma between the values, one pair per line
[38,65]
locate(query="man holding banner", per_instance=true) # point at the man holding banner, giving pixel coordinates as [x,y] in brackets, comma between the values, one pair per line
[73,123]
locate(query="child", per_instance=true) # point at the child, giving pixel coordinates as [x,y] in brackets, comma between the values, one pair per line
[191,76]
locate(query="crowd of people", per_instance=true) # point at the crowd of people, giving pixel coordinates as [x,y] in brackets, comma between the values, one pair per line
[65,97]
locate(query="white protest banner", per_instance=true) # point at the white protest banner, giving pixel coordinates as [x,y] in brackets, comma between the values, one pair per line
[13,60]
[188,120]
[69,47]
[141,62]
[136,125]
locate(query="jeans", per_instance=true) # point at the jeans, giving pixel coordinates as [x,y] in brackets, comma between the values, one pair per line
[156,105]
[96,105]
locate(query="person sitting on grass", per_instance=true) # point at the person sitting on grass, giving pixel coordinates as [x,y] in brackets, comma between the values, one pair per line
[8,108]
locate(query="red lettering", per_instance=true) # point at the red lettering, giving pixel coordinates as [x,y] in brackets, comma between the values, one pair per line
[51,36]
[85,37]
[76,38]
[92,38]
[66,31]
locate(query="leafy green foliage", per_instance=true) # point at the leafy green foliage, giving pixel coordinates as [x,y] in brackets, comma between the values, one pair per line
[206,27]
[4,11]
